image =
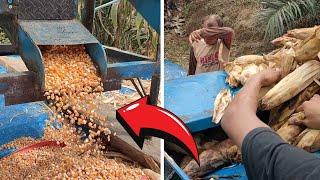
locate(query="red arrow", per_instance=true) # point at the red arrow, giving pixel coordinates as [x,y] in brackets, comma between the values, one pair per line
[40,145]
[141,119]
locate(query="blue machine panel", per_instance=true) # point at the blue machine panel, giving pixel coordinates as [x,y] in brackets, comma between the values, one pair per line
[150,10]
[142,69]
[57,32]
[173,71]
[192,98]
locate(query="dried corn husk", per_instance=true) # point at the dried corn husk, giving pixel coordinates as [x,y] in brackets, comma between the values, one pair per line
[289,132]
[220,104]
[151,174]
[309,140]
[309,48]
[242,68]
[280,114]
[212,159]
[291,85]
[288,64]
[302,33]
[285,41]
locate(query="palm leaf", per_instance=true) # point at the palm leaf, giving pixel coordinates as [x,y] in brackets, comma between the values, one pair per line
[277,15]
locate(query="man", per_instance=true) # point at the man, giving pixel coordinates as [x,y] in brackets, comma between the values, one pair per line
[210,46]
[265,155]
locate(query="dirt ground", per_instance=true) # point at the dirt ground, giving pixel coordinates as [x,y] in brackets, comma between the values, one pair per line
[237,14]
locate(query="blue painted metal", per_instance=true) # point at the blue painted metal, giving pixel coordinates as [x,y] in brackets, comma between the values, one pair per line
[57,32]
[98,56]
[31,55]
[126,90]
[192,98]
[236,169]
[142,69]
[173,70]
[6,152]
[150,10]
[116,55]
[169,161]
[23,120]
[3,70]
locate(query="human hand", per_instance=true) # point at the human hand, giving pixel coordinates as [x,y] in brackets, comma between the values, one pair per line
[268,77]
[311,110]
[195,36]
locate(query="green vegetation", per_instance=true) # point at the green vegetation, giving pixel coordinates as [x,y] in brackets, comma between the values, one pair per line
[3,38]
[121,26]
[279,15]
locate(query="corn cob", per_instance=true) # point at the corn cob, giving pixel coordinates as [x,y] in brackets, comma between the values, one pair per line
[285,41]
[289,132]
[291,85]
[242,68]
[309,48]
[288,64]
[220,104]
[302,33]
[309,140]
[211,159]
[294,36]
[280,114]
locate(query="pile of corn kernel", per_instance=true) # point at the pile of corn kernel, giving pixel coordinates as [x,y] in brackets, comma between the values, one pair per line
[77,160]
[73,89]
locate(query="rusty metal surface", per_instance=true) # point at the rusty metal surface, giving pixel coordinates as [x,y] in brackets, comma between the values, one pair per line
[57,32]
[20,87]
[47,9]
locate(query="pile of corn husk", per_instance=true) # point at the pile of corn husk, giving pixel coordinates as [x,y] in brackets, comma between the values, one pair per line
[298,58]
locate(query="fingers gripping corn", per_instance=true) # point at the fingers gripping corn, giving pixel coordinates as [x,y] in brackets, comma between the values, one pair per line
[290,132]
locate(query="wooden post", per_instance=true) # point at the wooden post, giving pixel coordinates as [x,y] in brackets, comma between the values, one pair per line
[155,81]
[88,14]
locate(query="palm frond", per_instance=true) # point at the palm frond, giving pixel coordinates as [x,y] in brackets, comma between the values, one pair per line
[277,15]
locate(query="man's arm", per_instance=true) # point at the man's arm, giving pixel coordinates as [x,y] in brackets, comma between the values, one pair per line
[213,33]
[224,33]
[241,112]
[192,63]
[264,154]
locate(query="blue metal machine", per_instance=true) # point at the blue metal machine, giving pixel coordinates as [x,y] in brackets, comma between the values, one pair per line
[34,23]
